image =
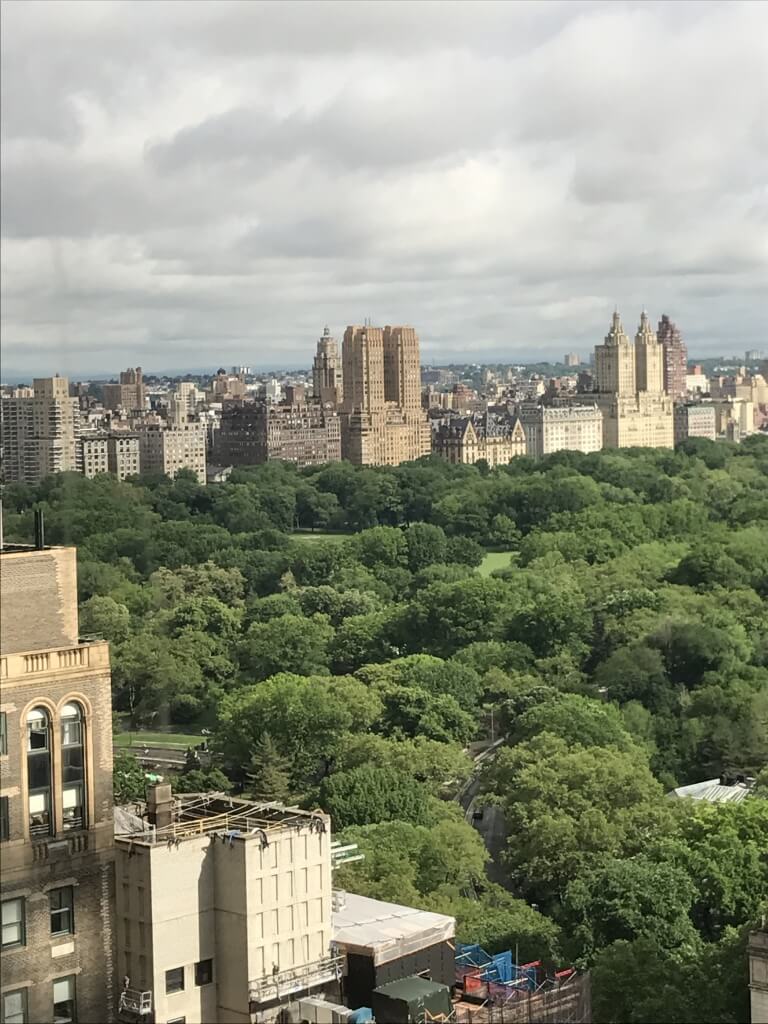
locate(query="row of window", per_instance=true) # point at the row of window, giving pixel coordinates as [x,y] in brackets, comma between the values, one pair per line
[14,1004]
[175,978]
[13,913]
[39,771]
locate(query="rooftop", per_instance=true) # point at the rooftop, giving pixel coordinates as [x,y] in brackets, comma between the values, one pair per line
[716,791]
[386,931]
[196,814]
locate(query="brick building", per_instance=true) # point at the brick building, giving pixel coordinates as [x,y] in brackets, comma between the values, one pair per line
[308,434]
[56,819]
[130,394]
[675,357]
[39,430]
[468,439]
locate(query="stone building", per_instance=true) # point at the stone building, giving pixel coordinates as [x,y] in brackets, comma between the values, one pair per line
[552,428]
[468,439]
[109,453]
[383,422]
[757,951]
[129,395]
[306,433]
[56,819]
[327,386]
[39,431]
[629,389]
[168,447]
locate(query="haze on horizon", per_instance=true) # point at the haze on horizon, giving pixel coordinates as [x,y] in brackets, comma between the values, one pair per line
[188,184]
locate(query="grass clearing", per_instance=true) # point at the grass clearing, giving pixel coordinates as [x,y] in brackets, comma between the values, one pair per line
[495,560]
[337,537]
[157,739]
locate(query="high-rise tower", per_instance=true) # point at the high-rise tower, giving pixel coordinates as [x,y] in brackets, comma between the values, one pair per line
[675,357]
[39,431]
[615,361]
[383,422]
[326,371]
[649,369]
[629,385]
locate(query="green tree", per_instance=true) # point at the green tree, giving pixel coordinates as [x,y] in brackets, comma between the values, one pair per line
[269,773]
[104,617]
[366,794]
[128,779]
[289,643]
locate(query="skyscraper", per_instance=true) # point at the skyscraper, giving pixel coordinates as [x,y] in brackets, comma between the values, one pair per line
[326,371]
[675,357]
[383,422]
[39,432]
[629,389]
[129,395]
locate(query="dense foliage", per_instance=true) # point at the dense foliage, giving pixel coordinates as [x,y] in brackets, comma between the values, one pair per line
[622,649]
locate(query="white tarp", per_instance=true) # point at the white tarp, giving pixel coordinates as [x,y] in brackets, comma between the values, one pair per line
[387,931]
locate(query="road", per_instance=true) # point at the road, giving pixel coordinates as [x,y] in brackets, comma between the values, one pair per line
[491,826]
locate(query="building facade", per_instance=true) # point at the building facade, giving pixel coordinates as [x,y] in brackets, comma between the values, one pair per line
[757,951]
[39,432]
[129,395]
[552,428]
[167,448]
[307,434]
[675,357]
[56,821]
[694,419]
[327,386]
[637,413]
[383,422]
[468,439]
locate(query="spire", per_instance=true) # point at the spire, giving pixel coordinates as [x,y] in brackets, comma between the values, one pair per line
[616,333]
[645,332]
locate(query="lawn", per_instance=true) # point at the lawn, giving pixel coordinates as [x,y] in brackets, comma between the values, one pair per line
[495,560]
[301,535]
[157,739]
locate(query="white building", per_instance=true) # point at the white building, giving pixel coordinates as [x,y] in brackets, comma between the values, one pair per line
[549,429]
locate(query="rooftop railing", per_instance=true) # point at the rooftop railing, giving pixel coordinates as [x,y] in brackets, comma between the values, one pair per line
[296,979]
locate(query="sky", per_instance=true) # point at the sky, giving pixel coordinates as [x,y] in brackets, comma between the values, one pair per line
[188,184]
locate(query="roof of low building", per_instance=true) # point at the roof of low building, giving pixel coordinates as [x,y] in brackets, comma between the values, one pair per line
[387,931]
[714,791]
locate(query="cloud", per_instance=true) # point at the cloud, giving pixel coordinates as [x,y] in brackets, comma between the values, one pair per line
[215,181]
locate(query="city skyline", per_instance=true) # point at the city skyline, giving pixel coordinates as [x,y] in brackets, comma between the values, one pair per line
[228,177]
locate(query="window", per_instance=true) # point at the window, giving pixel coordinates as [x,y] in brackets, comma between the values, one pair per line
[13,923]
[174,980]
[15,1007]
[39,772]
[62,910]
[5,824]
[64,1005]
[204,972]
[72,767]
[3,733]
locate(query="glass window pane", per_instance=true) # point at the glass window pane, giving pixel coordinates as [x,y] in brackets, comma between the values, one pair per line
[15,1007]
[12,922]
[39,771]
[71,733]
[72,763]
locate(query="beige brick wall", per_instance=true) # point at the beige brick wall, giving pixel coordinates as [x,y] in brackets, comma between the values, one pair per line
[38,600]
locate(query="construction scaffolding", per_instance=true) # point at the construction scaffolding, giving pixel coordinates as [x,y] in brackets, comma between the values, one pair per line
[495,990]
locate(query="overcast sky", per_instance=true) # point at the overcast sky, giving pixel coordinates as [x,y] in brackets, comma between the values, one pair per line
[189,184]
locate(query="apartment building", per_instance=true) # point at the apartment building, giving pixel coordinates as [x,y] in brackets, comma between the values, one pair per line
[39,431]
[56,821]
[129,395]
[694,419]
[629,385]
[468,439]
[327,386]
[553,428]
[383,422]
[168,447]
[306,433]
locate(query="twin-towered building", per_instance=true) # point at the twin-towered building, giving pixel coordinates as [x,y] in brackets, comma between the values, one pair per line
[629,389]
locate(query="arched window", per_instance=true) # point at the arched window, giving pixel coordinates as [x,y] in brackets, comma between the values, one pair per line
[39,772]
[72,767]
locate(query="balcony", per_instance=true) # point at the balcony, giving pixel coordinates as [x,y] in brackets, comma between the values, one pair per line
[88,654]
[134,1005]
[275,987]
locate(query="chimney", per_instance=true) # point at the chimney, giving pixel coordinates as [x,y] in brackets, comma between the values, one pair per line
[160,804]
